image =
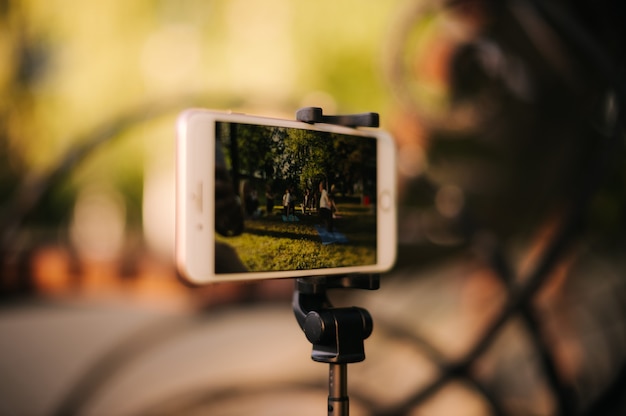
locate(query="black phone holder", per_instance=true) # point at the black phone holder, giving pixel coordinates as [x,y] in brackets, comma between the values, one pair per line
[337,334]
[313,115]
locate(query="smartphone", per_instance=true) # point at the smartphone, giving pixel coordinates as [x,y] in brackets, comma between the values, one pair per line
[265,198]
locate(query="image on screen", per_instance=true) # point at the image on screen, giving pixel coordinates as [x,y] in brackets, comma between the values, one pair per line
[293,199]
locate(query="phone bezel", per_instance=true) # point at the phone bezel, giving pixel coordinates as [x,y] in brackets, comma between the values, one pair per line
[195,180]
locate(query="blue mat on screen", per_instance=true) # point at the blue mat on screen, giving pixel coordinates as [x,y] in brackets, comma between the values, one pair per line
[330,238]
[291,218]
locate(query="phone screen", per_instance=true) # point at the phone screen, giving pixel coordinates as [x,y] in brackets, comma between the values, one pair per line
[293,199]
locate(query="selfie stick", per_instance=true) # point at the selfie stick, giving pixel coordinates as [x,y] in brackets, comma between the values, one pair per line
[337,334]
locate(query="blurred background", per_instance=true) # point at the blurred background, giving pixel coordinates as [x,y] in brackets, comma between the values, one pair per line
[90,94]
[508,295]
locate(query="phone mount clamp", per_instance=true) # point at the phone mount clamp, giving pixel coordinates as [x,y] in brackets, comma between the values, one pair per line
[337,334]
[313,115]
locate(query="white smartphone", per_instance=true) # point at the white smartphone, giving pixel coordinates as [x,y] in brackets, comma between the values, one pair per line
[264,198]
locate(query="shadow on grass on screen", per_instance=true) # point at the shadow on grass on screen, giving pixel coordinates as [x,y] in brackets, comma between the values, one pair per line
[270,244]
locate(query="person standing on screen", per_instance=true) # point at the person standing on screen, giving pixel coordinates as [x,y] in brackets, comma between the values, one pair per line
[287,202]
[326,213]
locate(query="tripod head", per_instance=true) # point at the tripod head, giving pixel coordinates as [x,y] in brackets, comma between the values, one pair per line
[337,334]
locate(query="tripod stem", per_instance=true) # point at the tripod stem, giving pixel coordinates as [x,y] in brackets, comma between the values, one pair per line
[338,401]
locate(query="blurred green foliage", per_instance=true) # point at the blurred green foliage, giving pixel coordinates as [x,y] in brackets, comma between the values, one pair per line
[298,157]
[69,70]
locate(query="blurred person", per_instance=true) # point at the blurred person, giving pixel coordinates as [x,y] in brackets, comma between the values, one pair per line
[287,203]
[306,200]
[326,213]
